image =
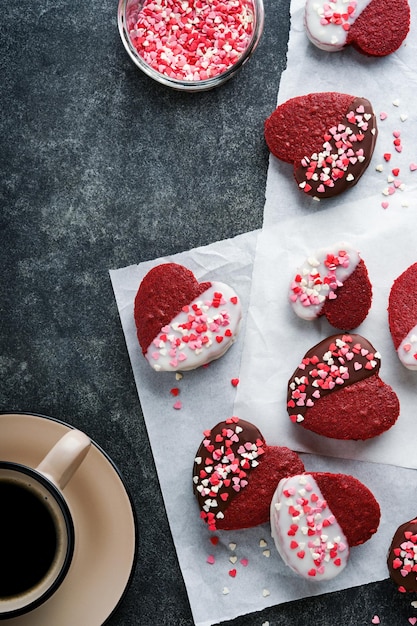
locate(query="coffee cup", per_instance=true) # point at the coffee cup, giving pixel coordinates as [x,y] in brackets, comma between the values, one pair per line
[37,536]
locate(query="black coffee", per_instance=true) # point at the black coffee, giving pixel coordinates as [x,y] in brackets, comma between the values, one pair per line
[28,539]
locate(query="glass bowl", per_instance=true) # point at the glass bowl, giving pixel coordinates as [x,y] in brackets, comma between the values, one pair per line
[190,45]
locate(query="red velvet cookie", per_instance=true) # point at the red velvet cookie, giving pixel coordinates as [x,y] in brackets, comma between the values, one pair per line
[336,390]
[235,474]
[333,283]
[328,137]
[181,323]
[402,316]
[402,557]
[316,517]
[373,27]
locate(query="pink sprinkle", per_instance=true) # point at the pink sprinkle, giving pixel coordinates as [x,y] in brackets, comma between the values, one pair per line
[376,620]
[385,205]
[412,620]
[413,167]
[191,41]
[178,405]
[211,559]
[383,116]
[244,562]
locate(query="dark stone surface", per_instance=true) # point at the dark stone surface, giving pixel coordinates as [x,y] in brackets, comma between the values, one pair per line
[102,168]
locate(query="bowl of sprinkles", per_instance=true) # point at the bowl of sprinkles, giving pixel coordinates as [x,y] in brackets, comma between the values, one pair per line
[190,45]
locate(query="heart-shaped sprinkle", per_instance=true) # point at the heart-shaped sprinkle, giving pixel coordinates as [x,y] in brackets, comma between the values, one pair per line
[232,573]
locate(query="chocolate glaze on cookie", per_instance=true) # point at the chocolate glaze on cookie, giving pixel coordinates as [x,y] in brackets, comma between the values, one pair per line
[402,557]
[344,155]
[227,455]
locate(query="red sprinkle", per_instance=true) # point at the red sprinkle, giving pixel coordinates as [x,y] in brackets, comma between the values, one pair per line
[175,391]
[235,382]
[191,41]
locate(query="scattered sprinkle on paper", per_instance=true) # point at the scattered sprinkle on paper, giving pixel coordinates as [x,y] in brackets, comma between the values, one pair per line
[265,593]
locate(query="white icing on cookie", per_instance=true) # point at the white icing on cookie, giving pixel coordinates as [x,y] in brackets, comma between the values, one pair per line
[319,278]
[306,533]
[201,333]
[327,22]
[407,350]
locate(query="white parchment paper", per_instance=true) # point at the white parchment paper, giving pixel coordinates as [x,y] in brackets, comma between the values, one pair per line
[207,397]
[276,339]
[390,83]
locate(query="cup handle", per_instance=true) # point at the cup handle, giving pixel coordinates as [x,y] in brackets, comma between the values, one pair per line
[65,457]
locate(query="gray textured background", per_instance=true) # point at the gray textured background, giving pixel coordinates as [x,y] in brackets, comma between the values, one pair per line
[102,168]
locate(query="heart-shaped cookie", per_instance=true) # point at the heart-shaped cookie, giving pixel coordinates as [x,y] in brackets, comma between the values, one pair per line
[336,390]
[402,557]
[328,137]
[373,27]
[181,323]
[333,283]
[402,316]
[316,517]
[235,474]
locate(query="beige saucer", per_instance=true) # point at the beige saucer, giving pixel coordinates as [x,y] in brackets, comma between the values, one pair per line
[104,523]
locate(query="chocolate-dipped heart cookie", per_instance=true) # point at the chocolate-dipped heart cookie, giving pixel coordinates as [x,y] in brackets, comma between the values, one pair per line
[336,390]
[333,283]
[235,474]
[182,324]
[373,27]
[316,517]
[402,316]
[328,137]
